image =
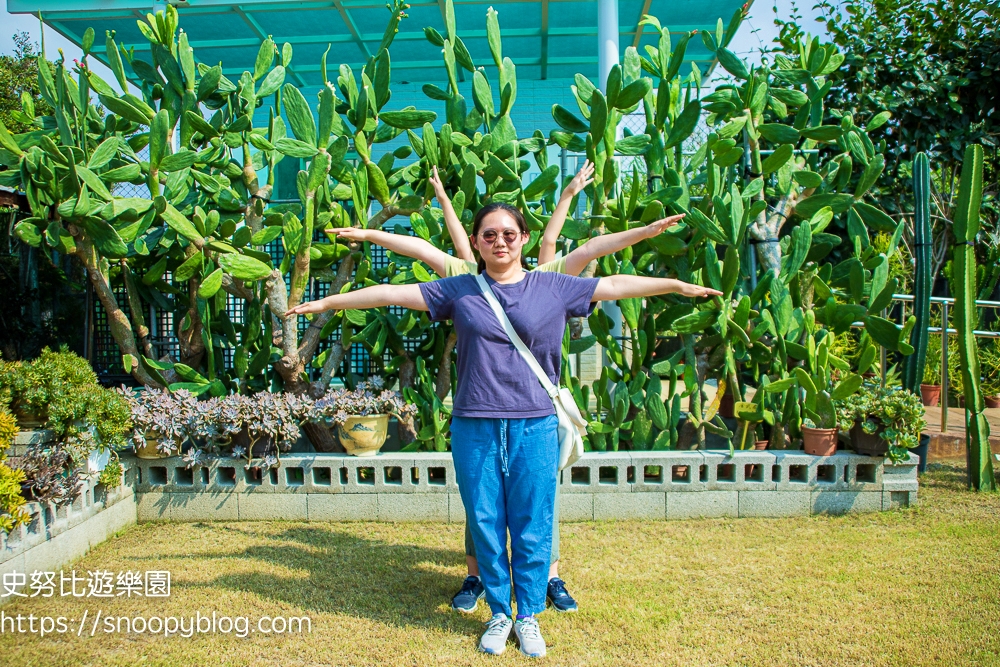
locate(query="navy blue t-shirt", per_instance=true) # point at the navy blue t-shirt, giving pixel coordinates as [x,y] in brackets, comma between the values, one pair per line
[493,380]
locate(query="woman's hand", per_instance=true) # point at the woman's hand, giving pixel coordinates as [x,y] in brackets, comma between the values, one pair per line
[582,179]
[660,226]
[350,233]
[689,289]
[306,308]
[435,180]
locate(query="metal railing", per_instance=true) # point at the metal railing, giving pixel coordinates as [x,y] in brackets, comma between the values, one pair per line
[946,303]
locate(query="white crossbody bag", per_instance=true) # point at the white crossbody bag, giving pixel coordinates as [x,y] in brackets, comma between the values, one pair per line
[572,425]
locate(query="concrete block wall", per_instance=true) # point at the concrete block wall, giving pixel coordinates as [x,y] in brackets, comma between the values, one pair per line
[608,485]
[57,536]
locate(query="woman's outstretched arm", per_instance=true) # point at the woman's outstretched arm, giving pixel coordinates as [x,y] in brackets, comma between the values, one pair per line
[621,286]
[407,296]
[547,248]
[599,246]
[463,249]
[409,246]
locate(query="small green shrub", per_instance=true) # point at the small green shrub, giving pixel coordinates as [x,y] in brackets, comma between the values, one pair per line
[12,503]
[8,428]
[111,476]
[62,387]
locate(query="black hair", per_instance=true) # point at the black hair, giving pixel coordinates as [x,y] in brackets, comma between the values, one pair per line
[507,208]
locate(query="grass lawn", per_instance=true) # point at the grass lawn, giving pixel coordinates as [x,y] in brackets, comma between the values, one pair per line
[911,587]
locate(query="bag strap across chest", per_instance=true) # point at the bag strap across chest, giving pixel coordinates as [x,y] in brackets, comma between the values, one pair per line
[550,389]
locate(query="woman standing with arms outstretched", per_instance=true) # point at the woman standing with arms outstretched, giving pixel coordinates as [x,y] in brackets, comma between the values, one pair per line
[503,430]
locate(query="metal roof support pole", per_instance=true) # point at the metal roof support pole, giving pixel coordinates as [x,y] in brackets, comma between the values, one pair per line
[607,57]
[607,38]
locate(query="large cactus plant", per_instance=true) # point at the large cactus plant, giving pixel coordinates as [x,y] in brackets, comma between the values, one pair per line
[914,370]
[966,228]
[199,237]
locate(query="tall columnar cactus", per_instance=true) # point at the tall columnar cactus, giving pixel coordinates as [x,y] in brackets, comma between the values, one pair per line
[966,227]
[914,370]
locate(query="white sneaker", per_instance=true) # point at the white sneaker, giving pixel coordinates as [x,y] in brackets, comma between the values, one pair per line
[529,636]
[494,640]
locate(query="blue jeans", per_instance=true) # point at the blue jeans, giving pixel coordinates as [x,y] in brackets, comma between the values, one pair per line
[506,472]
[470,546]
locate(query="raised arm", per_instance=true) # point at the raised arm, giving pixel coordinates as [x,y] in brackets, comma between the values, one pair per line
[623,286]
[583,178]
[606,244]
[463,250]
[407,296]
[409,246]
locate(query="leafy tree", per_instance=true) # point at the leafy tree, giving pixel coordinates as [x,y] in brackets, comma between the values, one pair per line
[19,80]
[934,68]
[934,65]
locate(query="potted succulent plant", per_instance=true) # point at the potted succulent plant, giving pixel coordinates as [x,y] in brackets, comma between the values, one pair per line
[882,421]
[48,474]
[46,392]
[269,424]
[930,385]
[213,426]
[96,427]
[160,420]
[361,416]
[827,381]
[989,365]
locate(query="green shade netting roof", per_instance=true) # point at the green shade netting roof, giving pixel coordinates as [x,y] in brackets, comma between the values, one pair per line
[549,39]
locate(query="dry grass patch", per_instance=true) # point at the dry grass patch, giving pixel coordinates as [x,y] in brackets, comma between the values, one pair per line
[909,587]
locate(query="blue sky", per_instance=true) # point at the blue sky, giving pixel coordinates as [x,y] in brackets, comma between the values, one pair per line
[756,31]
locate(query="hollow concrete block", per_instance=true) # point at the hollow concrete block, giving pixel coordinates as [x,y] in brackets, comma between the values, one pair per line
[342,506]
[845,502]
[627,506]
[273,506]
[576,507]
[702,504]
[204,506]
[413,507]
[775,503]
[893,500]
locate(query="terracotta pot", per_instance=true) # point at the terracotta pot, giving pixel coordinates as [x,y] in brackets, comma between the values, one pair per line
[760,445]
[364,436]
[868,444]
[930,394]
[819,441]
[726,406]
[993,401]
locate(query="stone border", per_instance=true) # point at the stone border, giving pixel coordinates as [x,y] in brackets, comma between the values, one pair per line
[602,486]
[57,536]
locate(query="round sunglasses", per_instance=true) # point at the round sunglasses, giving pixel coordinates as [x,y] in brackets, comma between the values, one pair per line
[490,235]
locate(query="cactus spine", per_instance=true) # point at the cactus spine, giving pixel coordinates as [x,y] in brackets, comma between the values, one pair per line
[914,371]
[970,195]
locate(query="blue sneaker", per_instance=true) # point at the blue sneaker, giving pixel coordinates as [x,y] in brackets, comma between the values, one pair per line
[558,596]
[467,599]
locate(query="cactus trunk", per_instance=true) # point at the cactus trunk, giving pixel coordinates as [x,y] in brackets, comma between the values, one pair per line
[978,455]
[914,371]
